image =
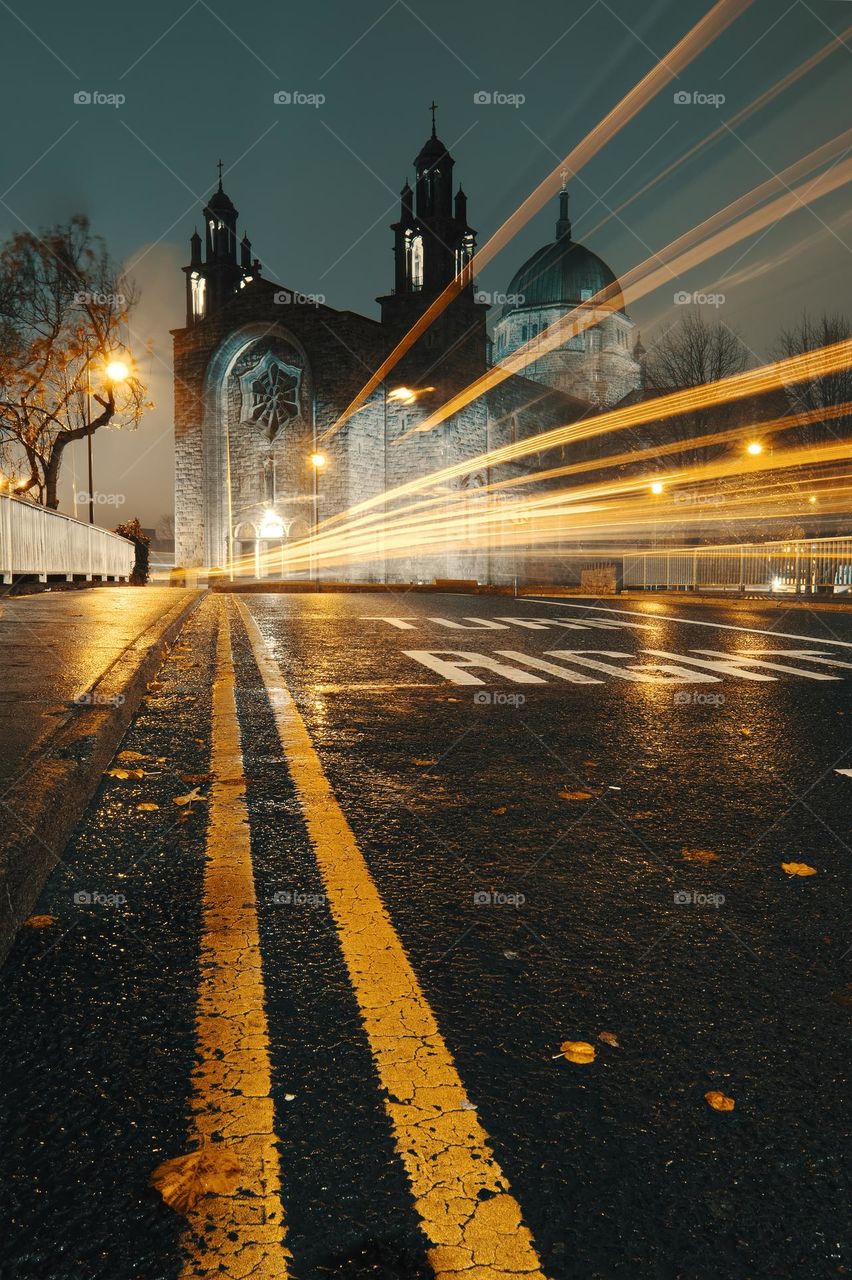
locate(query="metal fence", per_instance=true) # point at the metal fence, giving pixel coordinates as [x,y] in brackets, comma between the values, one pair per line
[801,567]
[41,543]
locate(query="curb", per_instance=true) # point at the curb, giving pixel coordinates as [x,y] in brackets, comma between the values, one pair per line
[57,780]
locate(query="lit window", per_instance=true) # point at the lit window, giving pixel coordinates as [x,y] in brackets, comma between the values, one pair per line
[199,288]
[585,294]
[416,272]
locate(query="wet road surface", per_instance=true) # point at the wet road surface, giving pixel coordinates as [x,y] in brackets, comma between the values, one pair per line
[476,828]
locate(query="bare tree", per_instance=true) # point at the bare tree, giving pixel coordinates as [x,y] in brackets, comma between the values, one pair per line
[689,354]
[63,308]
[692,353]
[818,397]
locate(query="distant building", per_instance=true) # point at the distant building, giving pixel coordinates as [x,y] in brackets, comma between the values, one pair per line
[262,371]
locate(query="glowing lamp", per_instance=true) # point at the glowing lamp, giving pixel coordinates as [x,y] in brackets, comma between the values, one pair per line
[117,371]
[272,526]
[755,448]
[318,461]
[657,487]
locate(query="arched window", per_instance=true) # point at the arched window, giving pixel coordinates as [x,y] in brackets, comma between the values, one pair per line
[198,289]
[416,271]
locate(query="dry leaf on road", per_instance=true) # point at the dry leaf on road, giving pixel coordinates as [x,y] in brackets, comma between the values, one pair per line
[699,855]
[719,1101]
[798,869]
[579,1051]
[125,773]
[147,806]
[609,1038]
[39,922]
[185,1180]
[190,796]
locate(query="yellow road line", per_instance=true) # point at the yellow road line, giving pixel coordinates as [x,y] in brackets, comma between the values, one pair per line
[471,1220]
[242,1232]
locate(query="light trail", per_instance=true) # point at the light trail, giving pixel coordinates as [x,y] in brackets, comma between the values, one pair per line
[723,13]
[754,382]
[675,259]
[753,107]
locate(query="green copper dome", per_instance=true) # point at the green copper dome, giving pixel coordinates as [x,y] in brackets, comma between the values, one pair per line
[564,273]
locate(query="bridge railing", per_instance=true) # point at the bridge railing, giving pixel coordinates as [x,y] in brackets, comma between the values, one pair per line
[807,566]
[35,541]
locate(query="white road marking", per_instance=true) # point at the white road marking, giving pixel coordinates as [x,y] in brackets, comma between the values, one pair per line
[802,653]
[402,624]
[563,673]
[694,622]
[847,773]
[480,624]
[770,666]
[457,672]
[728,667]
[658,673]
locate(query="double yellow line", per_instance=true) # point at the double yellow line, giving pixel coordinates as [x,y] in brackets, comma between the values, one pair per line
[472,1222]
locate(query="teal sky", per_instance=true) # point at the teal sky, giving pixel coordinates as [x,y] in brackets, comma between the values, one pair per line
[317,186]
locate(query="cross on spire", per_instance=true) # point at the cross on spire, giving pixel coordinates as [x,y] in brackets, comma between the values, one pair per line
[433,108]
[220,175]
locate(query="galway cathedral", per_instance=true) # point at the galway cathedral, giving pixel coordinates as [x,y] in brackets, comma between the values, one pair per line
[262,371]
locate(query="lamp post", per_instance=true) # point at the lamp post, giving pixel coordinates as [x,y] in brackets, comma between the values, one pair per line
[318,461]
[116,371]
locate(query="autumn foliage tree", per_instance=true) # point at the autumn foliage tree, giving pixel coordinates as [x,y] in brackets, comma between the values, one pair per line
[64,308]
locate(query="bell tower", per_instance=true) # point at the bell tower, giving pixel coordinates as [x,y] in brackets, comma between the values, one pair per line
[212,279]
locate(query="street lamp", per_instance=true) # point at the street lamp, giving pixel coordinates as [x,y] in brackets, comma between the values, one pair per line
[116,371]
[755,448]
[657,487]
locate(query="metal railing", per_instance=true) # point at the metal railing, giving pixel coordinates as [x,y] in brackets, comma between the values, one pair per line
[35,541]
[804,566]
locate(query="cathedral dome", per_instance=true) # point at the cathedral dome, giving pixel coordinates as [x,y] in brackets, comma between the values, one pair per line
[564,274]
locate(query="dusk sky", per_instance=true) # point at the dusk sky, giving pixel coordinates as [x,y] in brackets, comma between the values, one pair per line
[317,185]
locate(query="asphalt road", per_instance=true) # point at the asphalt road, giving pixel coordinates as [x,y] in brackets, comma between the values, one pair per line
[593,845]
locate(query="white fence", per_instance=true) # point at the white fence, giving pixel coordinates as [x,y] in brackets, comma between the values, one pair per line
[797,567]
[39,542]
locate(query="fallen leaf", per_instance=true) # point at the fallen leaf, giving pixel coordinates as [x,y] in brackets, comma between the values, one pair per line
[798,869]
[425,761]
[746,733]
[501,810]
[125,773]
[579,1051]
[195,777]
[130,755]
[155,686]
[147,806]
[190,796]
[577,795]
[642,813]
[185,1180]
[39,922]
[289,1097]
[719,1101]
[608,1038]
[699,855]
[510,955]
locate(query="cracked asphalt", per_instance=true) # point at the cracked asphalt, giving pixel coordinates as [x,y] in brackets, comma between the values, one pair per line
[570,818]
